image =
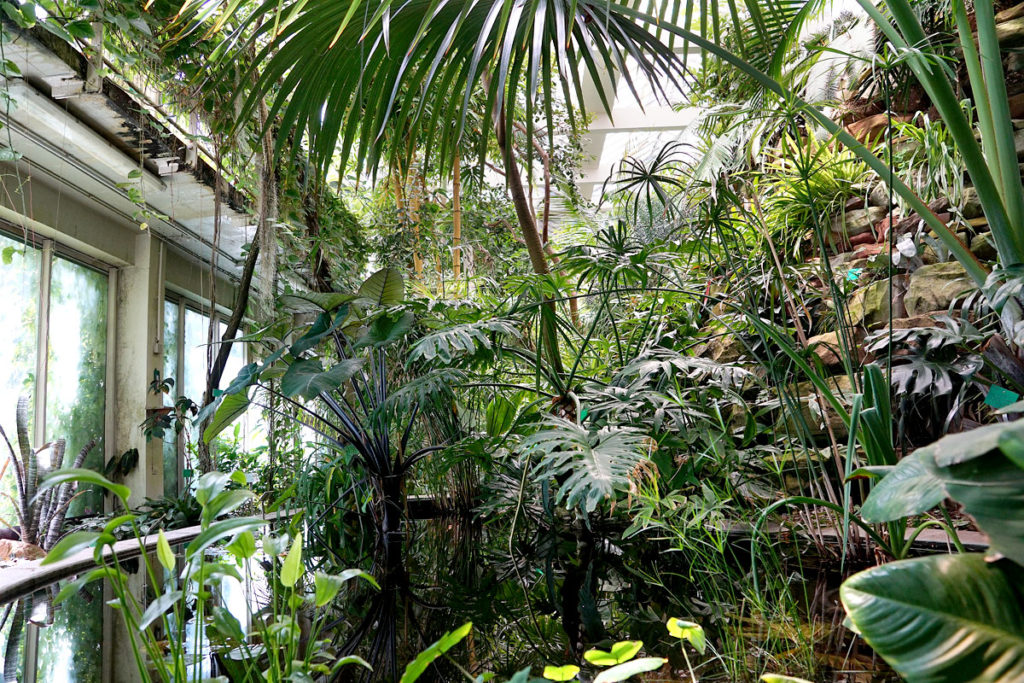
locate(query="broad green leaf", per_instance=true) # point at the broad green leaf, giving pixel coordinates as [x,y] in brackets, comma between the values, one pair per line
[328,301]
[630,669]
[321,329]
[326,588]
[227,623]
[328,585]
[244,545]
[416,667]
[991,490]
[500,414]
[620,652]
[349,574]
[870,472]
[69,545]
[910,488]
[72,587]
[566,672]
[232,406]
[1012,446]
[291,568]
[946,618]
[244,379]
[163,551]
[689,631]
[224,528]
[157,608]
[83,476]
[591,464]
[385,330]
[225,502]
[954,449]
[210,485]
[384,288]
[307,378]
[351,659]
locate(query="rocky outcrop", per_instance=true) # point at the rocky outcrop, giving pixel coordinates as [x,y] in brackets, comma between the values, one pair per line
[816,414]
[870,129]
[970,206]
[870,305]
[935,287]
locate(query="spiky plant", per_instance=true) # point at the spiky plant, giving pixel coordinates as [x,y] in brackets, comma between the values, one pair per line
[40,513]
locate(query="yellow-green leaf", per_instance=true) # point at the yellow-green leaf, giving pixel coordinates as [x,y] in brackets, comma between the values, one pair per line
[620,652]
[164,552]
[688,631]
[292,566]
[561,673]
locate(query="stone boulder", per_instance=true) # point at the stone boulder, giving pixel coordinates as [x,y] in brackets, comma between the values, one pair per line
[984,247]
[935,287]
[722,346]
[19,550]
[1010,33]
[879,195]
[819,416]
[857,222]
[827,348]
[970,206]
[872,128]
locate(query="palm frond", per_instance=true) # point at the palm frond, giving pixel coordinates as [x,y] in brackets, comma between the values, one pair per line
[346,74]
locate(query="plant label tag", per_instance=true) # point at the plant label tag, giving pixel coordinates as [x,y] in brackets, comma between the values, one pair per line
[998,397]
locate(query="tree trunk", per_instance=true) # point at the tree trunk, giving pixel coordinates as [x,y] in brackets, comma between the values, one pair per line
[534,247]
[414,215]
[457,222]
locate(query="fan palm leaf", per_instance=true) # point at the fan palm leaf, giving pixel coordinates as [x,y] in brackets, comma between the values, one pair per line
[345,75]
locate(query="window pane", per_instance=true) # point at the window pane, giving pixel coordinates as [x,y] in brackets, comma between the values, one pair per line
[171,370]
[193,381]
[70,647]
[19,291]
[76,368]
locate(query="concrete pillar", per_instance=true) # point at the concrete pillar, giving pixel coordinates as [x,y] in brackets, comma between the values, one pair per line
[137,353]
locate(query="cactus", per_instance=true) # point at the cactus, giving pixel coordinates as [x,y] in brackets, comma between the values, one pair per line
[40,514]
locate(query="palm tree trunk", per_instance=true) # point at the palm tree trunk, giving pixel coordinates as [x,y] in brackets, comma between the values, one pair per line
[534,247]
[457,222]
[415,199]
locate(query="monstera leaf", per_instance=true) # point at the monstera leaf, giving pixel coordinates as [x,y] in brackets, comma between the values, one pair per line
[461,340]
[948,618]
[307,378]
[595,463]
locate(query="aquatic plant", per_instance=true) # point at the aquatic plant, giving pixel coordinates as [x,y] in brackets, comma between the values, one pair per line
[964,610]
[183,588]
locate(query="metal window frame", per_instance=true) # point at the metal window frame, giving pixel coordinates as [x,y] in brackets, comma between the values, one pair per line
[50,249]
